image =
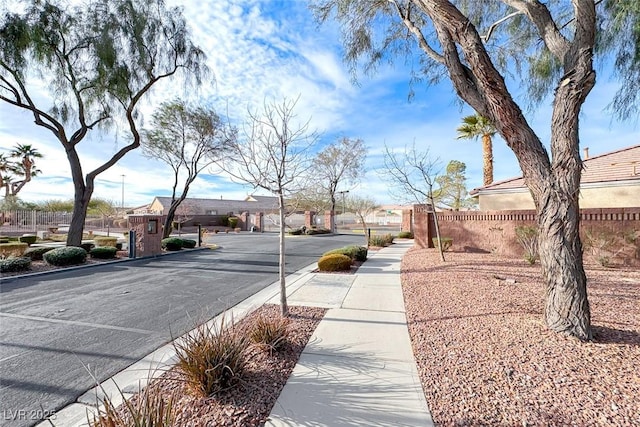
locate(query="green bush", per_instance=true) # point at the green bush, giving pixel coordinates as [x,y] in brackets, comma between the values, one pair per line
[189,243]
[67,255]
[233,221]
[15,249]
[446,242]
[105,241]
[87,246]
[405,235]
[15,264]
[4,240]
[334,262]
[361,253]
[36,253]
[312,231]
[357,253]
[103,252]
[171,243]
[29,240]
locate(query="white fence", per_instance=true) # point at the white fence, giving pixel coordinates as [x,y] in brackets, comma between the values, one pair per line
[33,221]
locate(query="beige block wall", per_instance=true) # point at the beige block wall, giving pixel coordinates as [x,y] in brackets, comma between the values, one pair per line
[600,197]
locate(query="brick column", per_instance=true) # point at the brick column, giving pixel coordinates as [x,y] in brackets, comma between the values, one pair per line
[423,228]
[407,220]
[308,219]
[328,220]
[148,241]
[258,221]
[244,220]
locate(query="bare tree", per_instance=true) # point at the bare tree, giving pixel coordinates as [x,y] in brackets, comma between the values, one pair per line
[98,59]
[553,44]
[414,173]
[272,153]
[188,139]
[362,207]
[339,163]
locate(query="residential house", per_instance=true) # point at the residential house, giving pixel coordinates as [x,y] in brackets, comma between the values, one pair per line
[610,180]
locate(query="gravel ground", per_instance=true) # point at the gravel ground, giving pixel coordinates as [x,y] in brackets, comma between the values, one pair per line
[486,358]
[250,403]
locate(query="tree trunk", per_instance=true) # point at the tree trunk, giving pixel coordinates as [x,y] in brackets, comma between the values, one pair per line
[80,205]
[171,214]
[284,309]
[487,159]
[332,218]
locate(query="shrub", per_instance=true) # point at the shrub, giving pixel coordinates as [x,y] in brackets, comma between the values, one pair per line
[357,253]
[527,236]
[105,241]
[388,239]
[4,240]
[269,332]
[361,253]
[446,242]
[67,255]
[103,252]
[312,231]
[212,359]
[36,253]
[377,241]
[171,243]
[405,235]
[296,232]
[233,221]
[15,249]
[149,408]
[28,239]
[189,243]
[334,262]
[15,264]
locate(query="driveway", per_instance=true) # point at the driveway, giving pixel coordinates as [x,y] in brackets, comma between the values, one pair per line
[60,331]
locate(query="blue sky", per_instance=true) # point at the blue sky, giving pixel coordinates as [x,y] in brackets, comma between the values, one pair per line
[264,50]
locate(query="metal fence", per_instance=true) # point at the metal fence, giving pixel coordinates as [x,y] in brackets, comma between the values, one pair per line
[33,221]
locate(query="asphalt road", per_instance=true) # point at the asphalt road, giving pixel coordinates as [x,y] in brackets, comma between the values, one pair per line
[59,330]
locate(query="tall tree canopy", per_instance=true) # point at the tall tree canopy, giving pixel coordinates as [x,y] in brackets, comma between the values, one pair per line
[340,163]
[188,139]
[552,46]
[98,60]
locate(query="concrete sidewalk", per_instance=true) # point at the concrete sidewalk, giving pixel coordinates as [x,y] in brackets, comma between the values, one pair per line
[358,368]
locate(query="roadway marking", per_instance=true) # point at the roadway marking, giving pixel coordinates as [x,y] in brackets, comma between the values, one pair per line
[77,323]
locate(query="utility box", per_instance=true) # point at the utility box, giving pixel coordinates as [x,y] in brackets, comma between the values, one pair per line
[148,229]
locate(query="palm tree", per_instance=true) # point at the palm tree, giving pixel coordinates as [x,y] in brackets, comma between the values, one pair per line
[25,167]
[476,126]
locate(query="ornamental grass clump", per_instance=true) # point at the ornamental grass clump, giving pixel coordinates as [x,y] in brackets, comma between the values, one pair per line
[105,241]
[527,236]
[148,408]
[36,253]
[270,332]
[212,359]
[68,255]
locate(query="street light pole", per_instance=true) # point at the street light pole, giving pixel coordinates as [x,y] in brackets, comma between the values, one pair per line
[343,192]
[122,202]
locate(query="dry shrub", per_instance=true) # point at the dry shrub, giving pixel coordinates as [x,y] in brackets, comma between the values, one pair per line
[148,409]
[270,332]
[212,359]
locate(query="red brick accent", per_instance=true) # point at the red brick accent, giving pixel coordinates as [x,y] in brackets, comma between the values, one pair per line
[407,220]
[147,244]
[257,222]
[244,221]
[308,218]
[328,219]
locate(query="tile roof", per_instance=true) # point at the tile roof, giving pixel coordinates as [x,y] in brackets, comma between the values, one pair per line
[264,203]
[620,165]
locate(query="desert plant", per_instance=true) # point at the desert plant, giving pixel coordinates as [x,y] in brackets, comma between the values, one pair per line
[103,252]
[171,243]
[212,359]
[270,332]
[105,241]
[15,249]
[189,243]
[377,241]
[446,242]
[527,236]
[36,253]
[12,264]
[603,246]
[405,235]
[28,239]
[67,255]
[148,408]
[334,262]
[233,221]
[312,231]
[296,232]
